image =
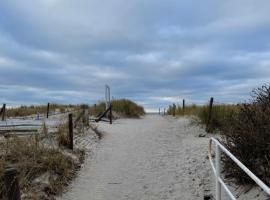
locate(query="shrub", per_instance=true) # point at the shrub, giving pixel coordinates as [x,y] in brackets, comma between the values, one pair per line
[247,136]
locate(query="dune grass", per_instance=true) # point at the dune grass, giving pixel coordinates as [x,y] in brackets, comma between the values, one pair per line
[34,109]
[220,114]
[33,159]
[122,107]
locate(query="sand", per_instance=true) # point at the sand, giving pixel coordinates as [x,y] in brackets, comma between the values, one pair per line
[150,158]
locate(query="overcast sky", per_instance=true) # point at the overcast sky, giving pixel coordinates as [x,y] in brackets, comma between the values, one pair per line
[152,51]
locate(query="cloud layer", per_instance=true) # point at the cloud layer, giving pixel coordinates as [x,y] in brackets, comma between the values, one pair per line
[154,52]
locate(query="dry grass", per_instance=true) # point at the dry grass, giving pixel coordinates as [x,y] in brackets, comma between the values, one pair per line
[62,134]
[34,109]
[33,159]
[220,114]
[123,107]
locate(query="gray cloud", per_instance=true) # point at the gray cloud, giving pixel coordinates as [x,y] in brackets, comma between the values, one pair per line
[154,52]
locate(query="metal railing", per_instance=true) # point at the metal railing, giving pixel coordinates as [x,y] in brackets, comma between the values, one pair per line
[216,169]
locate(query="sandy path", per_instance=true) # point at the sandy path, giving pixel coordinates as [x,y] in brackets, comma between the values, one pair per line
[150,158]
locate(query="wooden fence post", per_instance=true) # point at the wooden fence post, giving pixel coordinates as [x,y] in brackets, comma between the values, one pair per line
[70,126]
[174,108]
[48,109]
[110,114]
[183,106]
[164,111]
[12,184]
[4,112]
[209,114]
[86,116]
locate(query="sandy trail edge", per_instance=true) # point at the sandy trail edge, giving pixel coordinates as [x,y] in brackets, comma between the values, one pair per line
[151,158]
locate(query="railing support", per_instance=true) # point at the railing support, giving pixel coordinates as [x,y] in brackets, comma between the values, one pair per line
[217,162]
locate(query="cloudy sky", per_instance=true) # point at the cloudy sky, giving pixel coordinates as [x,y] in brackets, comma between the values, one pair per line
[152,51]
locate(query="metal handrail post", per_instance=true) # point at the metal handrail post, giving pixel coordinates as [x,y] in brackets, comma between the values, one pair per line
[218,185]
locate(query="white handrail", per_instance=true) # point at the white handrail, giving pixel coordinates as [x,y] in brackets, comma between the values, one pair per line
[216,169]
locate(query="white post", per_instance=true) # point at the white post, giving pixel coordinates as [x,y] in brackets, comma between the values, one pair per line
[218,185]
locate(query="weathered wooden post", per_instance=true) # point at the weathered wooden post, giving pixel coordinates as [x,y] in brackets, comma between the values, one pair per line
[70,126]
[164,111]
[174,108]
[12,184]
[209,114]
[86,116]
[110,114]
[183,106]
[4,112]
[48,109]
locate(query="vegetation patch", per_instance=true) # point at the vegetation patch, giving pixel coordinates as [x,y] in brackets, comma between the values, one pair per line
[43,170]
[219,115]
[245,130]
[37,109]
[120,107]
[247,136]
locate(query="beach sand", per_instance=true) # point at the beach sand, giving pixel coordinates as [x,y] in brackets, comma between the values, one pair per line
[153,158]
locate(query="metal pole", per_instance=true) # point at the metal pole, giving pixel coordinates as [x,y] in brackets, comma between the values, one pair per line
[106,97]
[12,184]
[109,91]
[218,185]
[70,125]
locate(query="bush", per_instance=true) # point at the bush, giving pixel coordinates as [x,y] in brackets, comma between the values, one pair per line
[247,136]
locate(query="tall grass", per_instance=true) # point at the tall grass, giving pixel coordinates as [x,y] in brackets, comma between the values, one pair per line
[34,109]
[219,116]
[127,108]
[122,107]
[32,159]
